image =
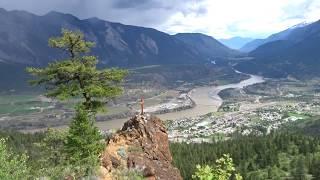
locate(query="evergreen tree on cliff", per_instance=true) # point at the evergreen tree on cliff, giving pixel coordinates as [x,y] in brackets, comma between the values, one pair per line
[78,77]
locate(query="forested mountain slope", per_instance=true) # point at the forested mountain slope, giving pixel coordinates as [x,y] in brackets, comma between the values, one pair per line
[298,55]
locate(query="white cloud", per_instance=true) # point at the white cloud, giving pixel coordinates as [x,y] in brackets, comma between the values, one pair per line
[226,18]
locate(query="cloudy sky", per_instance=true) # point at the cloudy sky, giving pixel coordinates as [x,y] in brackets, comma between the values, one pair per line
[218,18]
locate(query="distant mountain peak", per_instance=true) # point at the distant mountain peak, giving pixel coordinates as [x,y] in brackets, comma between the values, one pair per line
[56,14]
[206,45]
[93,19]
[16,12]
[194,34]
[235,42]
[287,34]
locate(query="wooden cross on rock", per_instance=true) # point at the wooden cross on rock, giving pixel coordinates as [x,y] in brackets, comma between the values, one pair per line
[142,105]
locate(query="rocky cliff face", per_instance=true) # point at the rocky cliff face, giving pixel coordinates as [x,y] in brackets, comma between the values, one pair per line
[141,146]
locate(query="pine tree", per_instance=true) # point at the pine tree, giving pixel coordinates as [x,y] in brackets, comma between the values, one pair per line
[78,77]
[300,170]
[83,144]
[52,157]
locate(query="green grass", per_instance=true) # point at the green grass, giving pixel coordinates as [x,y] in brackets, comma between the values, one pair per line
[11,105]
[114,110]
[9,99]
[21,109]
[298,115]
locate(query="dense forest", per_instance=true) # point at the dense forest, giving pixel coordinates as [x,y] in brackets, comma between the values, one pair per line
[279,155]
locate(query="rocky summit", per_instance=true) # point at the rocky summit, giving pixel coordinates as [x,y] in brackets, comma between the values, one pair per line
[141,146]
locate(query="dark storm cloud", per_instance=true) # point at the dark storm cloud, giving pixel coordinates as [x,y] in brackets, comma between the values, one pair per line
[154,4]
[133,4]
[151,13]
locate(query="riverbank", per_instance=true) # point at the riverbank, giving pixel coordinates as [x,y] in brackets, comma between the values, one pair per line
[206,98]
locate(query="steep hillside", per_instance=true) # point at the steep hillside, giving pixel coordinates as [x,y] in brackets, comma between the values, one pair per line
[206,45]
[24,37]
[298,55]
[24,42]
[271,49]
[252,45]
[293,33]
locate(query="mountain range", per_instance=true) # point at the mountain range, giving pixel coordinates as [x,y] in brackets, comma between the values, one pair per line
[294,52]
[283,35]
[24,40]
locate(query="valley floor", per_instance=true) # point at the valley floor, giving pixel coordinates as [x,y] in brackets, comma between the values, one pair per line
[200,110]
[166,90]
[206,100]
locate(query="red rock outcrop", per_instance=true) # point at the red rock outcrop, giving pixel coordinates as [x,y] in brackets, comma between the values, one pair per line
[141,145]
